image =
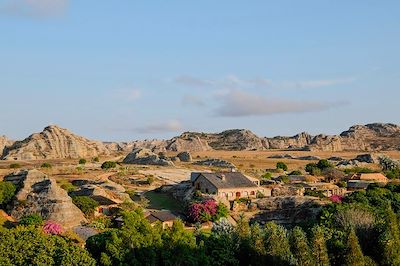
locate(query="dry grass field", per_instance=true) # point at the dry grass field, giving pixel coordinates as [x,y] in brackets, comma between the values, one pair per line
[251,162]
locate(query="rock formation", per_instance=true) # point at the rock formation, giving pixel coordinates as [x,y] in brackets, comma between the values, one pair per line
[288,210]
[215,163]
[4,142]
[54,143]
[38,193]
[146,157]
[184,156]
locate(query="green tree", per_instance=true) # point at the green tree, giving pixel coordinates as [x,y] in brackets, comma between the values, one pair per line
[277,245]
[178,246]
[354,255]
[30,246]
[82,161]
[324,164]
[7,192]
[313,169]
[86,204]
[281,165]
[390,240]
[301,248]
[318,246]
[267,176]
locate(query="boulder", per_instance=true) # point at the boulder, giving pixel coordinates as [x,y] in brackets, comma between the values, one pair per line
[146,157]
[281,156]
[185,156]
[308,158]
[38,193]
[367,158]
[216,163]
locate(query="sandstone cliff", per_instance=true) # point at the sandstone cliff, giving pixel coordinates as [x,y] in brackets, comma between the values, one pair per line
[54,143]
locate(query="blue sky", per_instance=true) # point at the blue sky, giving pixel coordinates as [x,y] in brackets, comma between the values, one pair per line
[123,70]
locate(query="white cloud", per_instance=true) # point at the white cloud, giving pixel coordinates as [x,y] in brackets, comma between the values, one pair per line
[233,81]
[311,84]
[192,100]
[34,8]
[230,81]
[239,103]
[169,126]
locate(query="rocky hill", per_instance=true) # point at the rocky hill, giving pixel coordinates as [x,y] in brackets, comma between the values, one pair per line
[40,194]
[4,142]
[371,137]
[58,143]
[54,143]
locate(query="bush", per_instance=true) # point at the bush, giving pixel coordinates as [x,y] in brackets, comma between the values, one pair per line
[314,193]
[150,180]
[7,192]
[267,175]
[82,161]
[295,172]
[96,159]
[324,164]
[15,166]
[86,204]
[33,219]
[281,165]
[108,165]
[46,165]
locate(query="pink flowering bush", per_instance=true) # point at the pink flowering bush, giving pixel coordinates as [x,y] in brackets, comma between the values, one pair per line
[203,211]
[336,198]
[52,228]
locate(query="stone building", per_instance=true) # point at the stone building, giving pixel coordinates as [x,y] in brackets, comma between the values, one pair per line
[228,185]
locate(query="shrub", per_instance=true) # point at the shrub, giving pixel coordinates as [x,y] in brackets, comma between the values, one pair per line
[281,165]
[33,219]
[314,193]
[267,175]
[46,165]
[150,180]
[108,165]
[52,228]
[96,159]
[203,211]
[324,164]
[15,166]
[295,172]
[313,169]
[86,204]
[82,161]
[7,192]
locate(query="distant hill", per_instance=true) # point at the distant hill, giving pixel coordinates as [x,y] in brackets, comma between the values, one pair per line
[371,137]
[58,143]
[54,143]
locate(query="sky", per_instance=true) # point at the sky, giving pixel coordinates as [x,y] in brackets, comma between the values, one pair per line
[124,70]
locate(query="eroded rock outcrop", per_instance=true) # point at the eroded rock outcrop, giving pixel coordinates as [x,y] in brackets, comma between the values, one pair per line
[288,210]
[40,194]
[146,157]
[54,143]
[4,142]
[215,163]
[184,156]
